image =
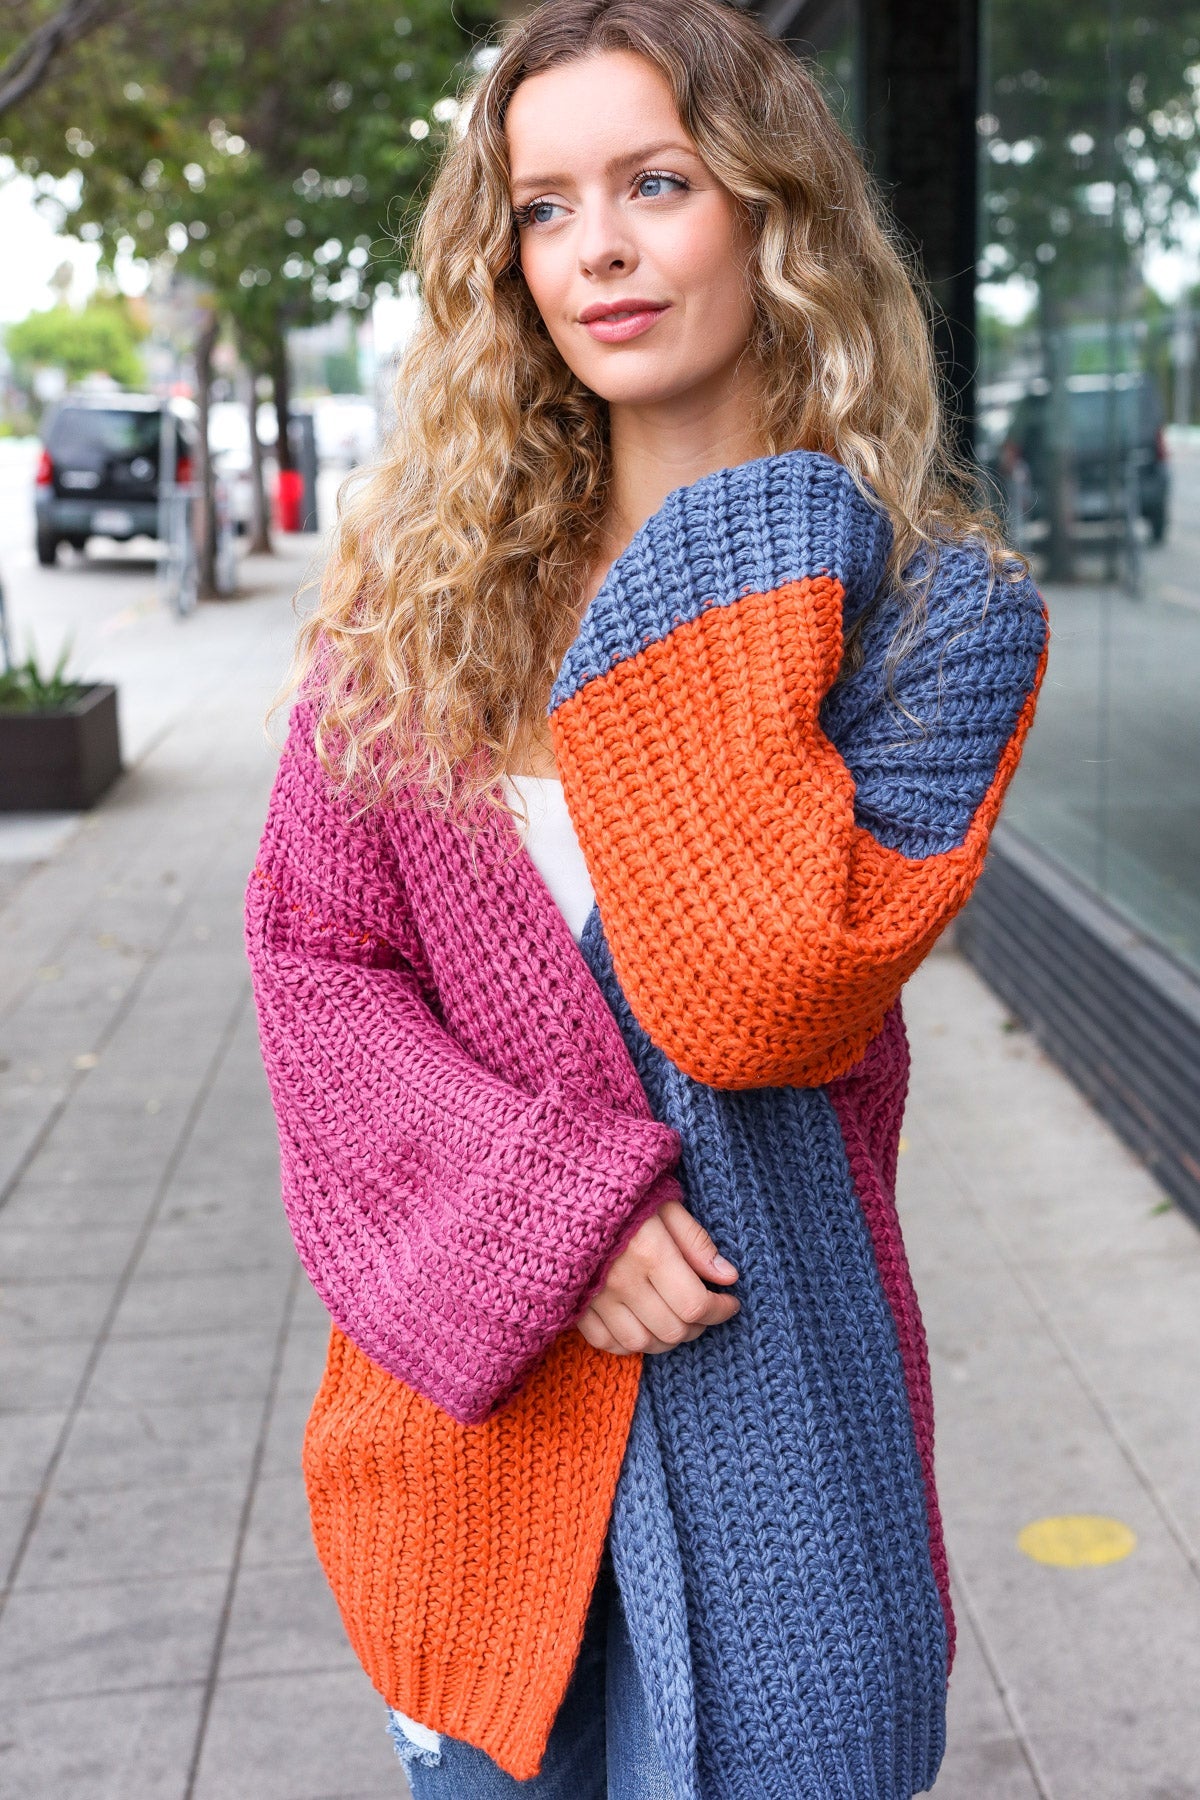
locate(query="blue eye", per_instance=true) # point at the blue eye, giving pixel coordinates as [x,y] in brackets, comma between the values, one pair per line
[658,175]
[526,215]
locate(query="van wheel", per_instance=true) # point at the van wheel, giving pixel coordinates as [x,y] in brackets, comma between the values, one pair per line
[47,549]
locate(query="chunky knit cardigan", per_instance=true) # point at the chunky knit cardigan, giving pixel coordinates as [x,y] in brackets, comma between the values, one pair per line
[475,1114]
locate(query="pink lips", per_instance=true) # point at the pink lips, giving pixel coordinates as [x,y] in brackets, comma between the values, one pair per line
[616,326]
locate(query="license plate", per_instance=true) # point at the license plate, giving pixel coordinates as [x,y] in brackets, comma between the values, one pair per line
[111,522]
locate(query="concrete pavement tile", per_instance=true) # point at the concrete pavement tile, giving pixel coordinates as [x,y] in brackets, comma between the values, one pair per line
[285,1433]
[38,1204]
[27,1442]
[1097,1674]
[304,1358]
[983,1768]
[284,1618]
[309,1313]
[109,1747]
[114,1447]
[1126,1326]
[279,1529]
[53,1309]
[255,1241]
[1100,1662]
[298,1737]
[14,1516]
[197,1366]
[46,1373]
[111,1143]
[108,1636]
[23,1118]
[109,1533]
[93,1253]
[984,1760]
[220,1300]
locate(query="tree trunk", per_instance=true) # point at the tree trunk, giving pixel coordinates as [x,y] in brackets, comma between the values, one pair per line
[260,513]
[281,381]
[206,527]
[1059,458]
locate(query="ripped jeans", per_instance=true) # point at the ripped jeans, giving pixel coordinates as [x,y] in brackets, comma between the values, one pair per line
[601,1746]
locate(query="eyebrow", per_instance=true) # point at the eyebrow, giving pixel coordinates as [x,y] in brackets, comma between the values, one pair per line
[624,161]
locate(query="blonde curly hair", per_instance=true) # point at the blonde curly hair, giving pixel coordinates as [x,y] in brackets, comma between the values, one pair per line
[452,590]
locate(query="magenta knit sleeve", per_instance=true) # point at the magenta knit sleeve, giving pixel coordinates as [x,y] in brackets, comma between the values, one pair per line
[452,1223]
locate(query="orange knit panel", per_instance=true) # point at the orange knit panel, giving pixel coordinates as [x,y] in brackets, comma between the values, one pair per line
[463,1557]
[759,934]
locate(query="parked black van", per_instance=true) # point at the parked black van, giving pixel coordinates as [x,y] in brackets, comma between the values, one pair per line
[98,474]
[1116,450]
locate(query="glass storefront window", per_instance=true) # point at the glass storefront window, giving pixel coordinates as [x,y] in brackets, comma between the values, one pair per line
[1089,425]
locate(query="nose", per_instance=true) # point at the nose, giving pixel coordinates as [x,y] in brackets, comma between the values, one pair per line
[605,246]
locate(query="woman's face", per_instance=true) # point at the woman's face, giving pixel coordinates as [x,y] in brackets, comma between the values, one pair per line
[618,217]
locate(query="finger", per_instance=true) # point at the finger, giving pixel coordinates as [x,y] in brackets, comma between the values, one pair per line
[658,1316]
[595,1332]
[691,1237]
[688,1298]
[626,1328]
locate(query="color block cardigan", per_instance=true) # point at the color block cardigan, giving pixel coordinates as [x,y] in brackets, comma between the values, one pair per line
[475,1114]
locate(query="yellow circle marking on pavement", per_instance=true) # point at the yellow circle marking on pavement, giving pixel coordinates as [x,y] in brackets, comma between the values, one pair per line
[1076,1541]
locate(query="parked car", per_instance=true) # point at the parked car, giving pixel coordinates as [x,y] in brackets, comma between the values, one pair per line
[98,471]
[347,429]
[229,443]
[1115,444]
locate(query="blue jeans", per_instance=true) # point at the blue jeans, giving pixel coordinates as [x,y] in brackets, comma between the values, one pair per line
[601,1746]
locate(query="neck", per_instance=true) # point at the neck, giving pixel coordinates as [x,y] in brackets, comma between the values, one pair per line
[657,448]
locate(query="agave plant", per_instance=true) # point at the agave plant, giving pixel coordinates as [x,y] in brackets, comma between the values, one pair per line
[27,687]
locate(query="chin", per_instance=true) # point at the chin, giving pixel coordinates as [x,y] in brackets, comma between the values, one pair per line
[638,387]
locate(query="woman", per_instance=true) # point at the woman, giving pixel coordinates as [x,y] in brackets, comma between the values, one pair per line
[661,697]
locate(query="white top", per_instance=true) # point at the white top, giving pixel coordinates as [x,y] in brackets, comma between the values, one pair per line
[551,842]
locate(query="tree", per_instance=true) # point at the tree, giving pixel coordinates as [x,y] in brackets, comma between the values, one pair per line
[101,338]
[31,45]
[267,147]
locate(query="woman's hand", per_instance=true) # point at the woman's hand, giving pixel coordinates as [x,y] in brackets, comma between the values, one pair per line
[655,1295]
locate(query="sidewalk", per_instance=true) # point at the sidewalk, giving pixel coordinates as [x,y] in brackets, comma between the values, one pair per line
[167,1633]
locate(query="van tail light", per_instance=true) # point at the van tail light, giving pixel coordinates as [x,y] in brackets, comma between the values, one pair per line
[183,471]
[45,471]
[1160,445]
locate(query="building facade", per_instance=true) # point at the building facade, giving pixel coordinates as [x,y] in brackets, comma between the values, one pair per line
[1046,162]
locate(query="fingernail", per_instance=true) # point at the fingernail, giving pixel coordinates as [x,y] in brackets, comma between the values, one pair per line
[723,1266]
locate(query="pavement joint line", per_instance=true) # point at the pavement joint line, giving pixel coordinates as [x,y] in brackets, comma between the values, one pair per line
[203,1089]
[1032,1293]
[244,1676]
[1004,1693]
[182,1686]
[222,1632]
[78,1584]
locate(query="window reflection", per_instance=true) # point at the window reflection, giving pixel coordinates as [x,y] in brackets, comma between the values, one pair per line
[1089,305]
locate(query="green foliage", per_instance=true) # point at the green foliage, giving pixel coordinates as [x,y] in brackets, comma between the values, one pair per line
[26,687]
[264,146]
[100,338]
[1090,139]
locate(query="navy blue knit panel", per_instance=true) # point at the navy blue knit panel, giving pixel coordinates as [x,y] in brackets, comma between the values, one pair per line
[924,757]
[744,530]
[777,1453]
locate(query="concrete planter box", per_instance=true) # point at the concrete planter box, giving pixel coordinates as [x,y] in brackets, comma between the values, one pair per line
[60,761]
